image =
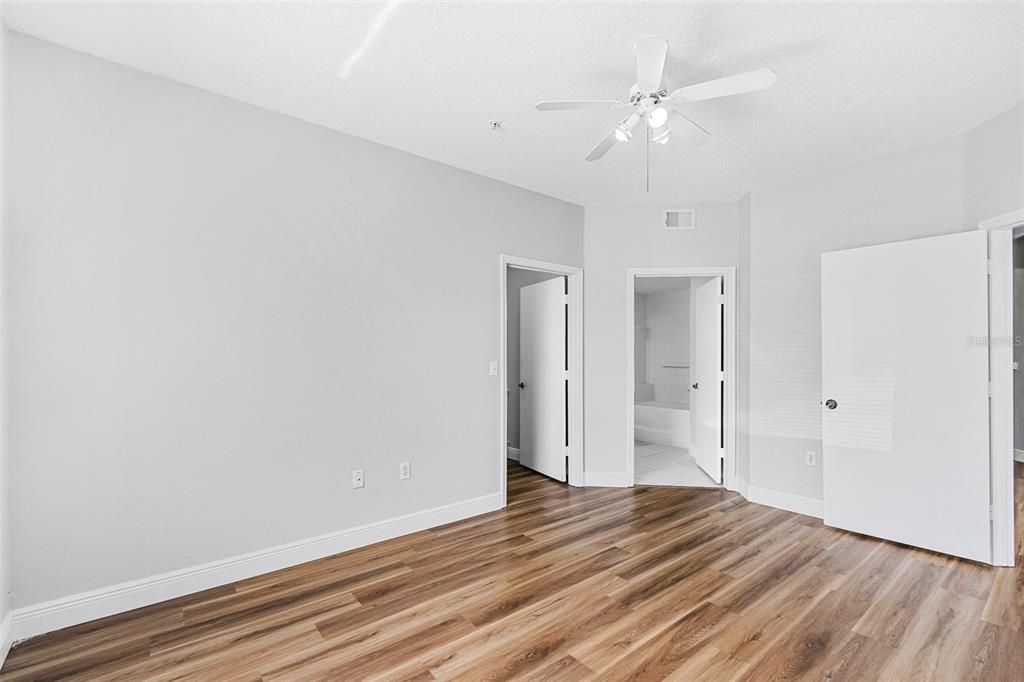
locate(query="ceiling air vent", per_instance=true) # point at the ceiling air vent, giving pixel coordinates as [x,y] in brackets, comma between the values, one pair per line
[680,219]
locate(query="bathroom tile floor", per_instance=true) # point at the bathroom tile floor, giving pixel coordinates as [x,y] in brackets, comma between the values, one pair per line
[666,465]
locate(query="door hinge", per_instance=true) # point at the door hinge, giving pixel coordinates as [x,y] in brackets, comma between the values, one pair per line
[990,389]
[991,513]
[565,374]
[721,376]
[988,266]
[565,299]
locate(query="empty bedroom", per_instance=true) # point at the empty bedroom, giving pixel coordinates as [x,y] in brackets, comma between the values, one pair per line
[464,340]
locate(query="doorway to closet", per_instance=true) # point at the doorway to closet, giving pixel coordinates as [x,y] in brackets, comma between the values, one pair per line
[541,370]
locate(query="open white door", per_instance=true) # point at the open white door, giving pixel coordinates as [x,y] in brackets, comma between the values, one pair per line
[543,398]
[706,377]
[905,407]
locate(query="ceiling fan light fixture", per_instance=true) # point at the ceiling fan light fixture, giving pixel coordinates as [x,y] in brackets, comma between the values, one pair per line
[624,131]
[652,101]
[661,134]
[657,117]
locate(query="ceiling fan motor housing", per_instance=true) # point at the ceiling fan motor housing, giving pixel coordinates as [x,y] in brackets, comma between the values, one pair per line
[636,96]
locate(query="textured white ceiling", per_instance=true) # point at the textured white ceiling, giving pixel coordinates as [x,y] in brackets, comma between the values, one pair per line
[855,80]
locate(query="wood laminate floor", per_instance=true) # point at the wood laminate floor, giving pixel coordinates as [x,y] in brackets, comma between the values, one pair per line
[575,584]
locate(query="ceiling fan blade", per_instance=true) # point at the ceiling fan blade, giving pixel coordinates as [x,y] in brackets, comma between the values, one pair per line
[686,130]
[578,104]
[723,87]
[602,147]
[650,62]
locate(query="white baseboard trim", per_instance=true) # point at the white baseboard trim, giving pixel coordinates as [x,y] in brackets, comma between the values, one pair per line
[5,636]
[742,487]
[60,613]
[512,453]
[808,506]
[605,479]
[1018,455]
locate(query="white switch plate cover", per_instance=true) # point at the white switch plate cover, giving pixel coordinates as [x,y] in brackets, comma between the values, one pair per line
[404,471]
[357,478]
[811,458]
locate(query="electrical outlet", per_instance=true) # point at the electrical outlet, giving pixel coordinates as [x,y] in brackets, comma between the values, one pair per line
[811,458]
[494,368]
[357,478]
[404,471]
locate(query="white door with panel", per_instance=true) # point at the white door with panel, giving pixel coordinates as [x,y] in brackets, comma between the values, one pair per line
[543,397]
[905,410]
[706,388]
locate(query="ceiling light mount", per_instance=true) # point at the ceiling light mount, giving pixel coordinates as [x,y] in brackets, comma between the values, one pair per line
[636,95]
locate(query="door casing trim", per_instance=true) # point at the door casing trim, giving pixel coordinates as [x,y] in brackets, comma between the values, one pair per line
[1000,326]
[574,275]
[730,478]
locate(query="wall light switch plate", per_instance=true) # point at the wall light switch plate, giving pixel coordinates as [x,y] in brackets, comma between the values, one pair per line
[811,458]
[357,478]
[494,368]
[404,471]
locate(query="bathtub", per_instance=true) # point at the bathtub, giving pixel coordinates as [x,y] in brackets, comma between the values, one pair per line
[662,423]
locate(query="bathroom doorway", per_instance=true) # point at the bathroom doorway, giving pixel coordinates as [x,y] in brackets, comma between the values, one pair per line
[681,397]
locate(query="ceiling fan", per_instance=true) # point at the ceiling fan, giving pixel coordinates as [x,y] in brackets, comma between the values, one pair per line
[654,104]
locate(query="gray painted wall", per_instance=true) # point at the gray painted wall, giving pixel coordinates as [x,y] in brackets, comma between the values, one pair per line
[617,238]
[930,190]
[994,167]
[220,311]
[913,194]
[776,235]
[743,344]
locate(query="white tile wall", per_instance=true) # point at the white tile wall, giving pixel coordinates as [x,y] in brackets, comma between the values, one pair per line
[640,338]
[668,342]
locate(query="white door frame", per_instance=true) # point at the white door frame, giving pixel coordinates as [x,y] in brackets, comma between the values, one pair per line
[574,275]
[1000,330]
[728,273]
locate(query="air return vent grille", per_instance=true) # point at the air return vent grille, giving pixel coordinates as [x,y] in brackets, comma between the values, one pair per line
[680,219]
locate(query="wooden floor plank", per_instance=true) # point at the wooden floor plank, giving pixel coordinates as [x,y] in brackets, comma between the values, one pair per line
[568,583]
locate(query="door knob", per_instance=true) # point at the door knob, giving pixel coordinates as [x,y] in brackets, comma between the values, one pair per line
[831,404]
[522,385]
[696,386]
